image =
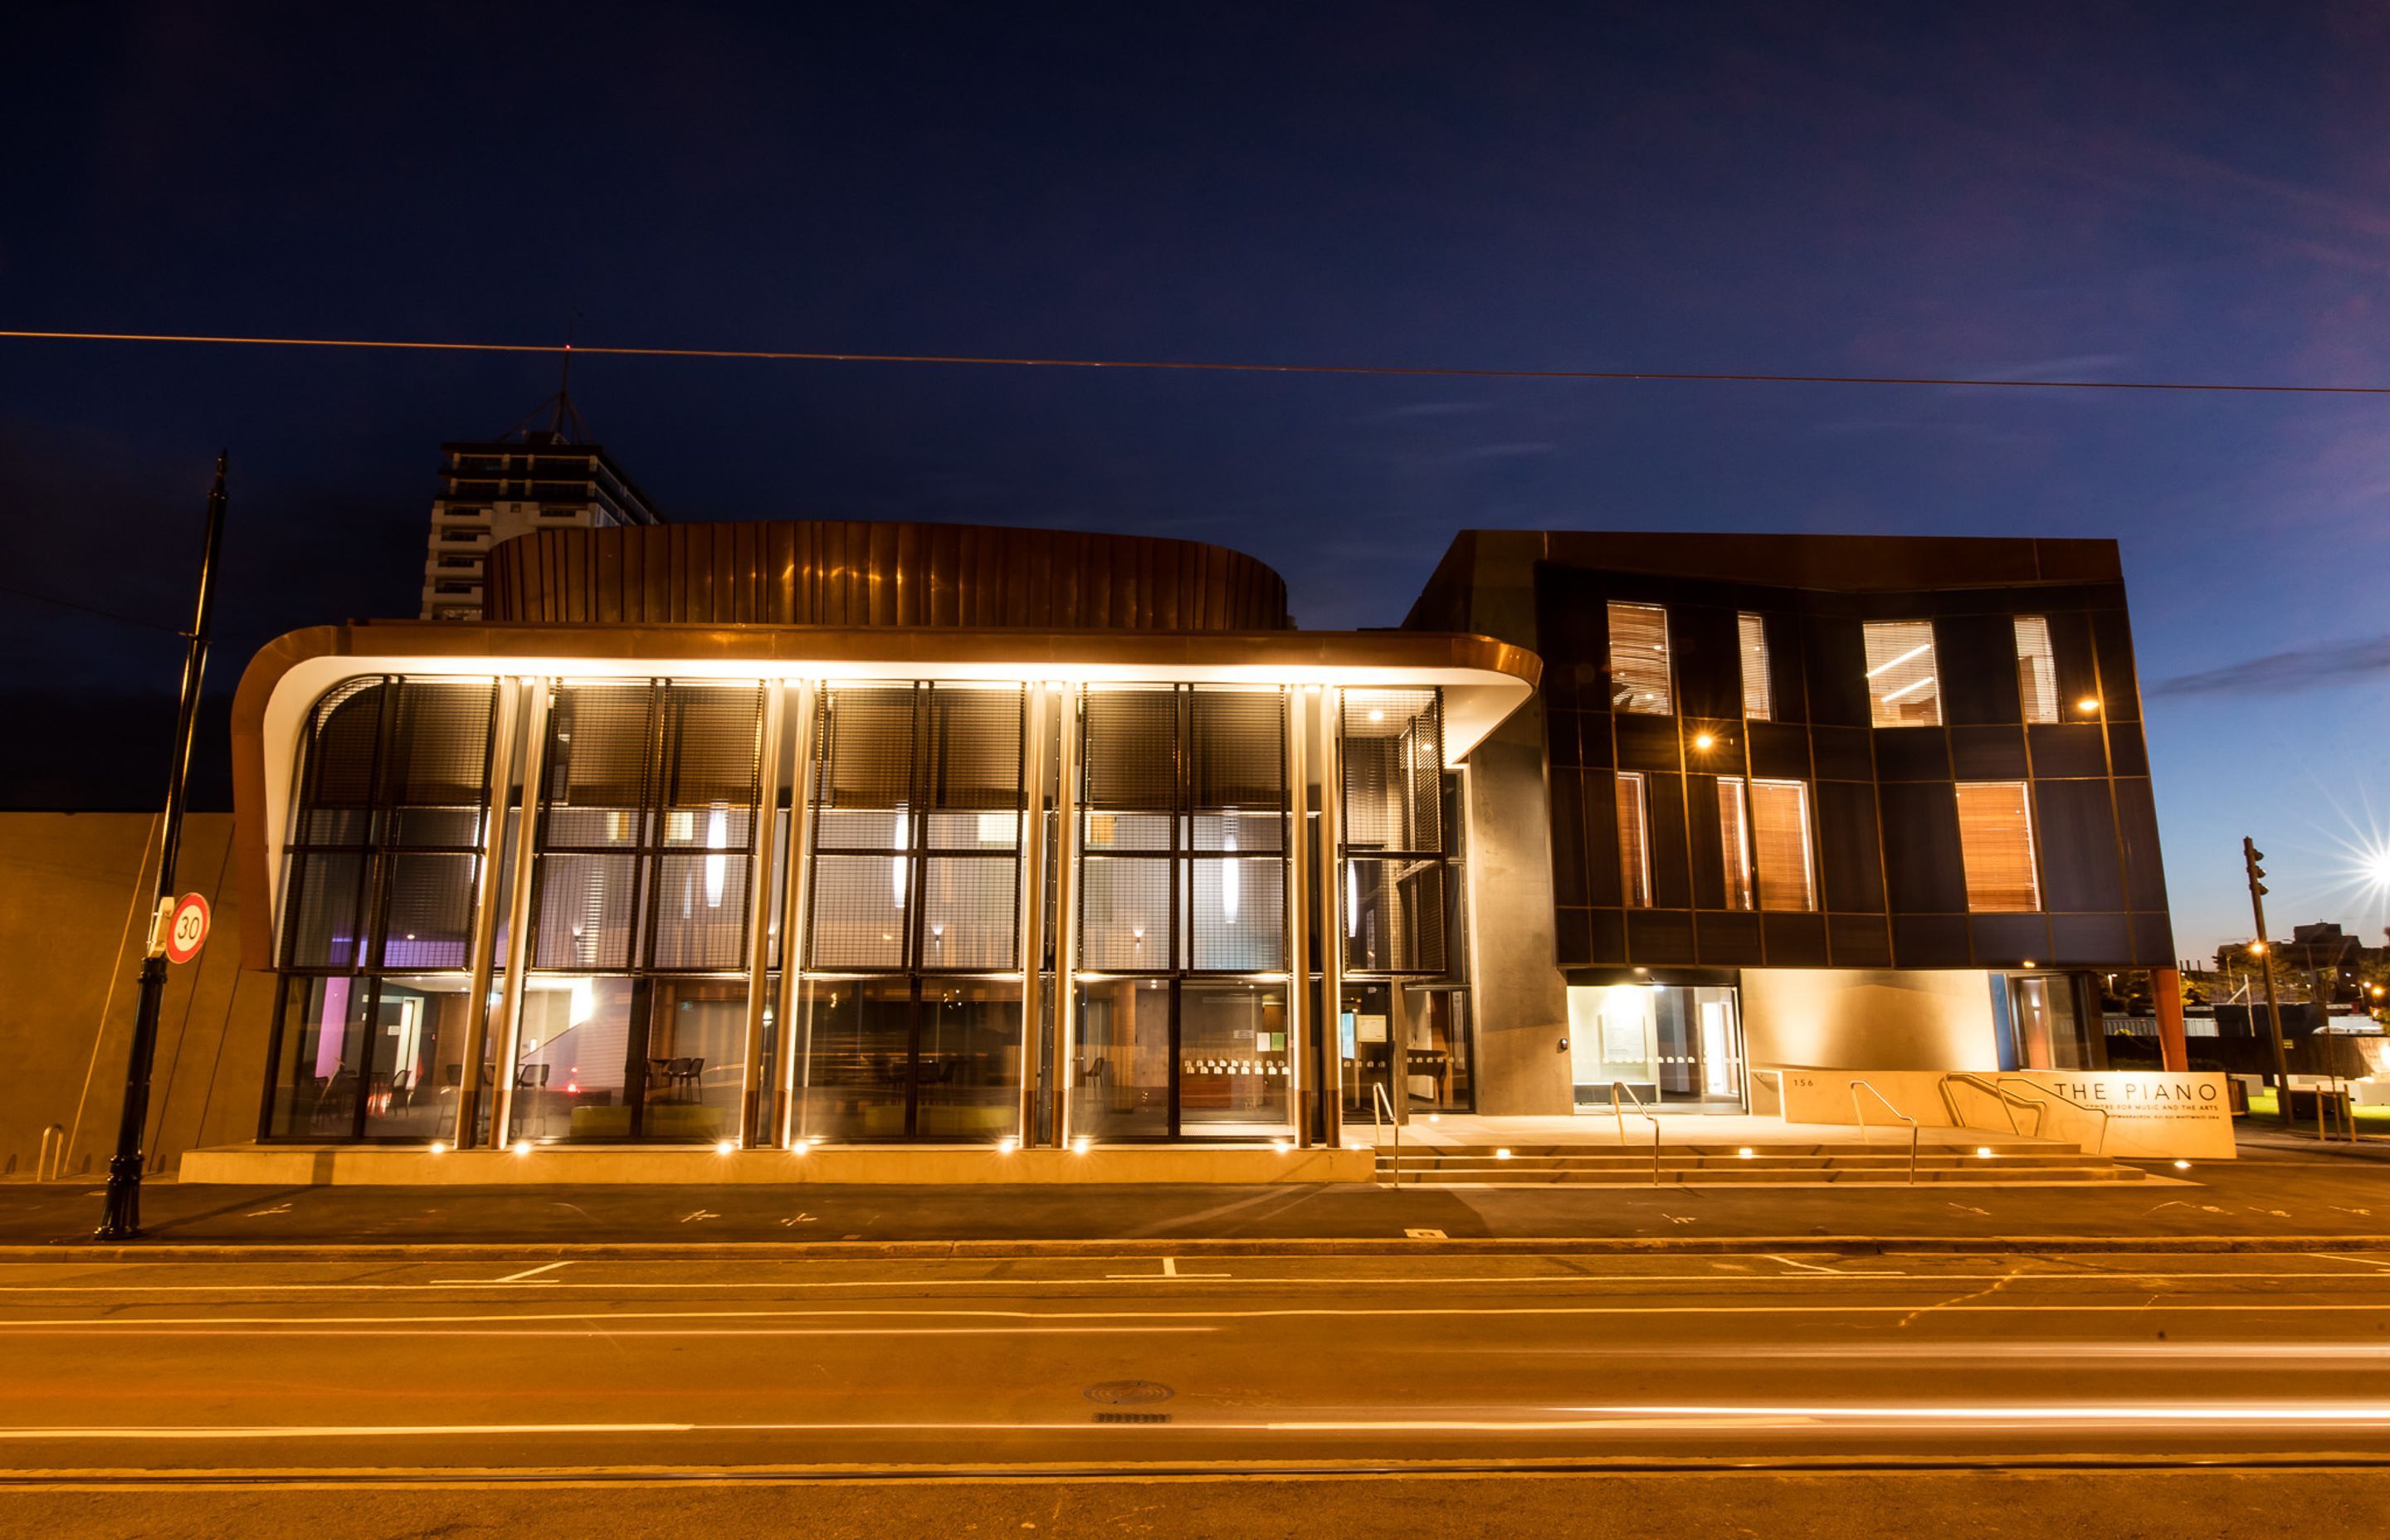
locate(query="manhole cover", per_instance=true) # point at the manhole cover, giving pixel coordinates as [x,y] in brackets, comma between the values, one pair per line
[1128,1393]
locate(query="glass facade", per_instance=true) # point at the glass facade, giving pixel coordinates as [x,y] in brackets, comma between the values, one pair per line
[700,852]
[1184,834]
[387,841]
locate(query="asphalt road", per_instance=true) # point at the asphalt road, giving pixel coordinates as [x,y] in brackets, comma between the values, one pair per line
[2174,1394]
[2266,1193]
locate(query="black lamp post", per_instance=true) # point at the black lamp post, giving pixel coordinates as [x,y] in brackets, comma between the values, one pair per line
[123,1216]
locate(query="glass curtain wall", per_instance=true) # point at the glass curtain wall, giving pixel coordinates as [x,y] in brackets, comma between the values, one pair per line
[386,843]
[1181,1003]
[1394,868]
[635,1003]
[910,1009]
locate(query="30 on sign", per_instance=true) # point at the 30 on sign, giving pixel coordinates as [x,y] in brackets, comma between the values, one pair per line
[187,928]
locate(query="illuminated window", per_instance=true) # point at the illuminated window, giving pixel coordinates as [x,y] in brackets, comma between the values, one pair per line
[2037,668]
[1638,658]
[1996,839]
[1758,694]
[1634,842]
[1734,842]
[1779,841]
[1902,688]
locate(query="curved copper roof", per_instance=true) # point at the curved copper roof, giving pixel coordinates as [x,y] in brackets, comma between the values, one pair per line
[852,573]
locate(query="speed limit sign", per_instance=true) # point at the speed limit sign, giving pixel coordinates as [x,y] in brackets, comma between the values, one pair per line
[187,928]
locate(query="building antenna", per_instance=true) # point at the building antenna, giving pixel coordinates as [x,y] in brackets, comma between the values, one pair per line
[565,422]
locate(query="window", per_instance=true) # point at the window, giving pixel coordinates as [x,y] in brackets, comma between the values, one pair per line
[1393,841]
[1638,658]
[1764,834]
[1634,845]
[1758,691]
[1902,690]
[1734,840]
[2037,668]
[1779,838]
[1995,841]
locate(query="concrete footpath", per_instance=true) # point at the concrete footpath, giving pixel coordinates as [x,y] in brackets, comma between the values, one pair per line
[2275,1198]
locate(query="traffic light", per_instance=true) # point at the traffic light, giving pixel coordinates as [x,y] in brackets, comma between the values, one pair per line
[2250,856]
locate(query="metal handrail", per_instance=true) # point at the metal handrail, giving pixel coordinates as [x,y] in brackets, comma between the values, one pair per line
[2007,1100]
[2098,1148]
[1378,1098]
[1644,1112]
[1859,1111]
[51,1162]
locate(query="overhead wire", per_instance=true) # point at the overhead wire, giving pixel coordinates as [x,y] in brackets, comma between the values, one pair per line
[1420,371]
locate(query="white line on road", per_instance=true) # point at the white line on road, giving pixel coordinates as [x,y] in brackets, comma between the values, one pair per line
[1835,1272]
[528,1274]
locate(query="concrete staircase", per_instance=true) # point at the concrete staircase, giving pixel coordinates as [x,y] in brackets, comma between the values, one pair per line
[1789,1165]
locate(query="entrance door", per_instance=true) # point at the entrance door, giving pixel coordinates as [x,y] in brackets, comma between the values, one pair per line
[1678,1047]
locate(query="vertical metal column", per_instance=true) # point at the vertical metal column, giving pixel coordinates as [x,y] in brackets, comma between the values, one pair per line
[762,833]
[1332,913]
[1301,907]
[1031,938]
[535,761]
[1066,916]
[487,898]
[796,1042]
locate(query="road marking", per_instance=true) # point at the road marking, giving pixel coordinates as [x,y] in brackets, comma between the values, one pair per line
[701,1213]
[1169,1270]
[1591,1419]
[526,1276]
[1835,1272]
[255,1288]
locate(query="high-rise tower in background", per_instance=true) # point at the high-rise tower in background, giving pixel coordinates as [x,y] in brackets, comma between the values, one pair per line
[530,477]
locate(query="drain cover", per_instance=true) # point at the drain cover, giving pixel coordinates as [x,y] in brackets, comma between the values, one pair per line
[1128,1393]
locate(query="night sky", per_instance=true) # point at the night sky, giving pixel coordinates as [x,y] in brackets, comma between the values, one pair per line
[2165,191]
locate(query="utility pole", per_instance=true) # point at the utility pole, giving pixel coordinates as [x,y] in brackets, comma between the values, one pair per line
[122,1217]
[2250,856]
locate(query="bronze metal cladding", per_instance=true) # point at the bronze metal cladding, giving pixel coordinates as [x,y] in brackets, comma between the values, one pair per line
[852,573]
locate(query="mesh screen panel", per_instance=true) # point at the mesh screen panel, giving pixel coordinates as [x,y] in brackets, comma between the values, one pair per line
[1394,769]
[1131,754]
[700,911]
[1114,831]
[863,829]
[969,909]
[340,754]
[1124,914]
[1245,832]
[713,737]
[973,747]
[860,911]
[582,911]
[429,919]
[1236,914]
[1237,748]
[1396,921]
[320,921]
[600,746]
[439,752]
[867,747]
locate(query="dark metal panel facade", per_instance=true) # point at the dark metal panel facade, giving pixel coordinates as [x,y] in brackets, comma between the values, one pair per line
[849,573]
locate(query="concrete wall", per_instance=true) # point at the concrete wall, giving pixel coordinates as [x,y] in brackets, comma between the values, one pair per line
[1521,1002]
[75,890]
[1859,1018]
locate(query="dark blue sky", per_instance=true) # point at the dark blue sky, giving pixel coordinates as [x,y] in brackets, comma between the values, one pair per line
[2158,191]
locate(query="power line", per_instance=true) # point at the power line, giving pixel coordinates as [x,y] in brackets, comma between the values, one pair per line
[89,610]
[1187,366]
